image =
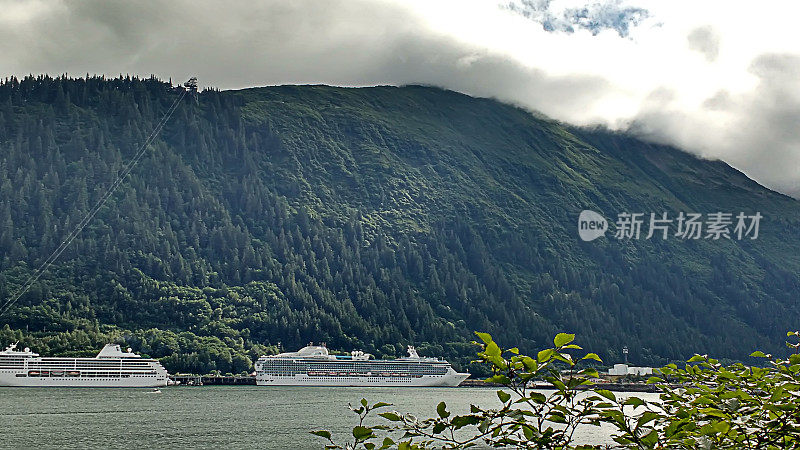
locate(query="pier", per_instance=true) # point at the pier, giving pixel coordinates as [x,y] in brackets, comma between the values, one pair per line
[212,380]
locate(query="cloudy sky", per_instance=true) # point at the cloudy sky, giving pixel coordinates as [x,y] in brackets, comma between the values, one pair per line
[720,79]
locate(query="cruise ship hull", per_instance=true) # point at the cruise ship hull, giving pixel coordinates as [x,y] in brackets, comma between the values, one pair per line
[449,380]
[10,379]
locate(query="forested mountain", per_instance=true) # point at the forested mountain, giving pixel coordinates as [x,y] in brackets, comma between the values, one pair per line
[366,218]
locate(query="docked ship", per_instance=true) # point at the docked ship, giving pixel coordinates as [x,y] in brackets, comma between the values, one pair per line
[313,365]
[110,368]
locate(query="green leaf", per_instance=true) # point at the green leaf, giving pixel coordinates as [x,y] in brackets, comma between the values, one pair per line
[589,373]
[441,409]
[380,405]
[545,355]
[387,443]
[696,358]
[462,421]
[646,417]
[592,356]
[530,364]
[361,433]
[759,354]
[439,427]
[503,396]
[635,401]
[499,379]
[558,384]
[364,402]
[485,337]
[492,349]
[528,432]
[537,397]
[607,394]
[564,357]
[722,427]
[714,412]
[323,434]
[650,439]
[562,339]
[394,417]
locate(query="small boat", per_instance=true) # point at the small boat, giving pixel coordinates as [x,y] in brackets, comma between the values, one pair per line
[155,391]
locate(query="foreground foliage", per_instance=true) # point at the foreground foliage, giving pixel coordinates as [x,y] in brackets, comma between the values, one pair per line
[702,405]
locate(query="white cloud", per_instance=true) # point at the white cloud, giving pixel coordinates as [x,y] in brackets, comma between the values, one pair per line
[706,41]
[717,78]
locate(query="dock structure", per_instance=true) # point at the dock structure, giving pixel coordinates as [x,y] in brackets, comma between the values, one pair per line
[205,380]
[236,379]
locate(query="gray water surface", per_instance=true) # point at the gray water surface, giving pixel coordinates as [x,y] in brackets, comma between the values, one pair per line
[211,416]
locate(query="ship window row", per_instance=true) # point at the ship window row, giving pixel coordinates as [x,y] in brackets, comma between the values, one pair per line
[89,361]
[87,366]
[73,374]
[289,373]
[370,380]
[350,364]
[302,368]
[95,361]
[72,363]
[66,361]
[348,375]
[361,368]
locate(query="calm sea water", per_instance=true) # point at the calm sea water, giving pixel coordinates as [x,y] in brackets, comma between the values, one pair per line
[210,416]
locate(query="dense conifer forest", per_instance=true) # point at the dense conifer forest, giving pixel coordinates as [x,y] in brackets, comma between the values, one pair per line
[367,218]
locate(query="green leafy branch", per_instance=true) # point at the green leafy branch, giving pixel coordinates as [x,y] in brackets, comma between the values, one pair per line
[702,405]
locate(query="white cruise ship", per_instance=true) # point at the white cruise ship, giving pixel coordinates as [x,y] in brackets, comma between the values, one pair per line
[110,368]
[314,366]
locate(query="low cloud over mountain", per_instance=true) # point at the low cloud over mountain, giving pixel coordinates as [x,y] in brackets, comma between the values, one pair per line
[718,79]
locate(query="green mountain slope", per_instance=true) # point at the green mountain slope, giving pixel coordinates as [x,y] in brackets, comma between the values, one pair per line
[370,218]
